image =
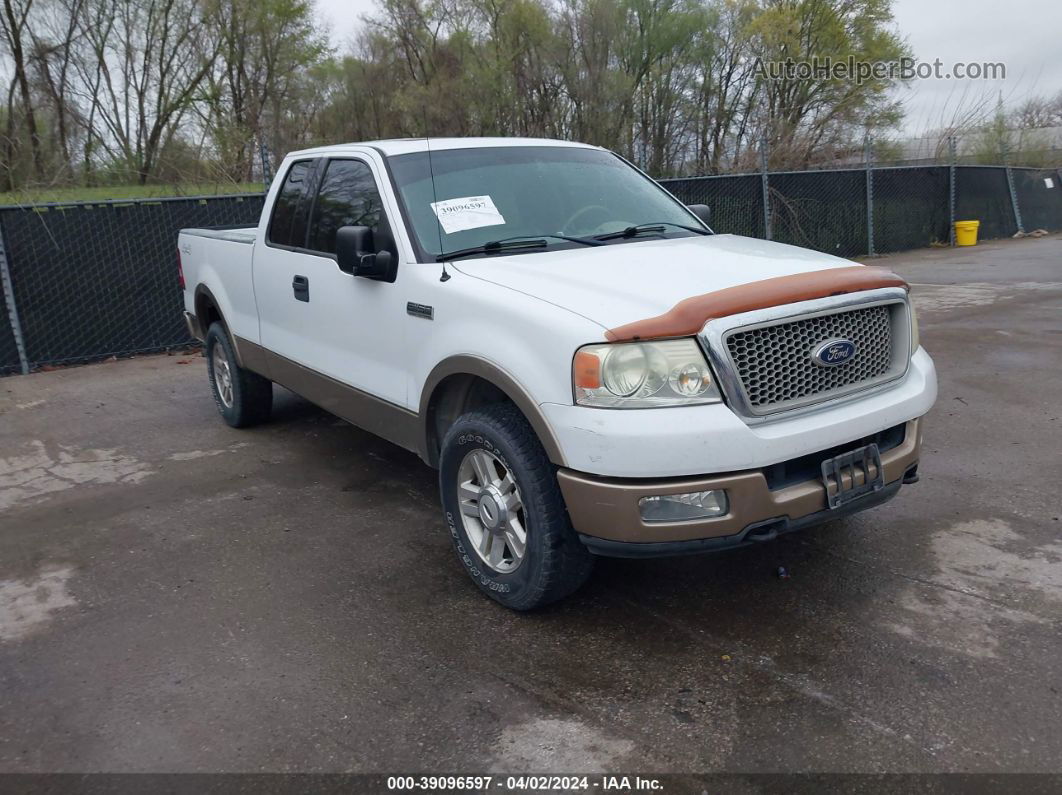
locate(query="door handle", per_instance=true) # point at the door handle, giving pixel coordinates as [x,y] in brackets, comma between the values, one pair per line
[300,287]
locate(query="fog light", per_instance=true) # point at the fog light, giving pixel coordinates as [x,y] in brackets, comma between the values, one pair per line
[682,507]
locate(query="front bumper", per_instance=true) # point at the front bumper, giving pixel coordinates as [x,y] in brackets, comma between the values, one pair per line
[605,513]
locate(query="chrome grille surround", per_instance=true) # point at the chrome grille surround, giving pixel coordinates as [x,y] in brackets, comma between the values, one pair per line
[762,359]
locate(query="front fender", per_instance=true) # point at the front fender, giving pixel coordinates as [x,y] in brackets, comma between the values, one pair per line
[520,344]
[502,379]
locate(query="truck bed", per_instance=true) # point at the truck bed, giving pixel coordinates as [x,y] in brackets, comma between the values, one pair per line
[220,259]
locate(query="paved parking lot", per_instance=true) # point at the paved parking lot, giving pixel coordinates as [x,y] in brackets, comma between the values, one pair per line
[176,595]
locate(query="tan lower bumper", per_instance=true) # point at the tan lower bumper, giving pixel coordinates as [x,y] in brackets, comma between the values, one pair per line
[607,508]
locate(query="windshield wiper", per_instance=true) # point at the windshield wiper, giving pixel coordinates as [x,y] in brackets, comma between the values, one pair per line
[515,243]
[652,226]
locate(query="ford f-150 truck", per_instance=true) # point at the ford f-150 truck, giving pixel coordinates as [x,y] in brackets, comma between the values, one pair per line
[591,369]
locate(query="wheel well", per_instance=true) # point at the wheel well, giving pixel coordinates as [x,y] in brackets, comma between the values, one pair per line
[206,312]
[453,396]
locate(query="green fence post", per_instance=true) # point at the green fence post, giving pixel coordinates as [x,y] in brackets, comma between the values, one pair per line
[12,310]
[1013,193]
[952,153]
[868,157]
[267,165]
[765,185]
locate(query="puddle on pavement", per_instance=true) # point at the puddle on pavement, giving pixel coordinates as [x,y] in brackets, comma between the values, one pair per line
[977,567]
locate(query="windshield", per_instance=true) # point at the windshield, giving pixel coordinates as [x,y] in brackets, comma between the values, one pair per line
[496,193]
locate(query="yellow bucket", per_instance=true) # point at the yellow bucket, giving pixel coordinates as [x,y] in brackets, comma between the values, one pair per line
[966,233]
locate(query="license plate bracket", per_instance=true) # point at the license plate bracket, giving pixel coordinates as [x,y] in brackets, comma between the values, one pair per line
[841,475]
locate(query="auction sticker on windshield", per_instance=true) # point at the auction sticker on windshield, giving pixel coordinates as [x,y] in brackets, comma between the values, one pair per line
[470,212]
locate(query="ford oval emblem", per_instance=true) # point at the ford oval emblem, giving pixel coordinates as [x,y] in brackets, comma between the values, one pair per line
[833,352]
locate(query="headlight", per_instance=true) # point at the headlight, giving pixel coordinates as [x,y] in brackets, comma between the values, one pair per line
[635,375]
[915,341]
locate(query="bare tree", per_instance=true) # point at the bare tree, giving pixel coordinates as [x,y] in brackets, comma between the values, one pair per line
[54,36]
[151,58]
[266,46]
[150,89]
[14,16]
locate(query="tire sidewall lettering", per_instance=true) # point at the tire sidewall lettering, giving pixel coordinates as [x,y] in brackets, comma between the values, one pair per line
[484,578]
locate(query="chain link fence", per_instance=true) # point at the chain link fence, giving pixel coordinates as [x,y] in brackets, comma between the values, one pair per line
[910,208]
[981,193]
[736,201]
[89,281]
[86,281]
[1039,197]
[870,210]
[823,210]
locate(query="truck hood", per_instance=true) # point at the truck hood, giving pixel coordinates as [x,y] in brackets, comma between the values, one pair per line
[621,283]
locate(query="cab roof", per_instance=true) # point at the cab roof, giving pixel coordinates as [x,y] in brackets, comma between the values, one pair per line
[402,146]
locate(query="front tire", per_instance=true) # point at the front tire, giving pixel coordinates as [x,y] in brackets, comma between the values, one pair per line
[243,398]
[505,512]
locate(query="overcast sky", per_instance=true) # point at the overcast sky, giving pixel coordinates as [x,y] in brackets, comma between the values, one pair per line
[1023,34]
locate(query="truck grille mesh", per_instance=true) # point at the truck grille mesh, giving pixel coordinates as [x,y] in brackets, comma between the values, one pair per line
[774,363]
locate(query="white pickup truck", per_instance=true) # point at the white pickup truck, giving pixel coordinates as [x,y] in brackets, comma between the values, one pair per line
[590,368]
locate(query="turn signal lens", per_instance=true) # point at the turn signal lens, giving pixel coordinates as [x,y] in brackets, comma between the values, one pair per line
[642,375]
[586,372]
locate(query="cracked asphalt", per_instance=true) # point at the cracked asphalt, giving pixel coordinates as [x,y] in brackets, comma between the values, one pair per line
[176,595]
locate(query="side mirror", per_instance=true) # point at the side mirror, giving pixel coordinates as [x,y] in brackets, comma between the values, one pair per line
[356,254]
[702,211]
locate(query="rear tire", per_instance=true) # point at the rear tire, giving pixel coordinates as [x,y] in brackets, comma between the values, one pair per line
[505,511]
[243,398]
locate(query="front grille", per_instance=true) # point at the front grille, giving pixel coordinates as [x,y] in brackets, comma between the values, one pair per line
[775,367]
